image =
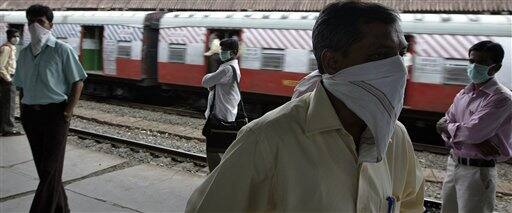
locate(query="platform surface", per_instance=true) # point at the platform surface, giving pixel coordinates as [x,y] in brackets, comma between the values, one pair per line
[92,186]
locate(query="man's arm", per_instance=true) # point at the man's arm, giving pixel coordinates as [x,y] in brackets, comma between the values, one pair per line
[74,75]
[241,183]
[4,58]
[483,124]
[76,91]
[442,124]
[221,76]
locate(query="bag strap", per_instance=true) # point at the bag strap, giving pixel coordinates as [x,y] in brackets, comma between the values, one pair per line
[235,77]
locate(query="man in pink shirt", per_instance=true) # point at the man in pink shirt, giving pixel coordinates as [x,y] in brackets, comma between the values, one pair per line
[478,129]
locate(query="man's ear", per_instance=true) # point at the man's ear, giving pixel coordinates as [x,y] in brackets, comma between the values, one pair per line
[329,62]
[494,69]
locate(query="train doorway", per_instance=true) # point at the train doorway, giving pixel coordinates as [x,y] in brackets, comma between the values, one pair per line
[91,48]
[214,36]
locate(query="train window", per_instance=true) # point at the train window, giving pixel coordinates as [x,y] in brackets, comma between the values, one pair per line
[272,59]
[312,62]
[455,72]
[124,49]
[177,53]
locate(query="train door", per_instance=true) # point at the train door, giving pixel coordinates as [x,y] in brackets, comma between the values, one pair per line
[214,36]
[91,51]
[150,48]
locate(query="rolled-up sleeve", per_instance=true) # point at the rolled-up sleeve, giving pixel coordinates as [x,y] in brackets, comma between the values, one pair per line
[242,181]
[450,117]
[483,124]
[73,70]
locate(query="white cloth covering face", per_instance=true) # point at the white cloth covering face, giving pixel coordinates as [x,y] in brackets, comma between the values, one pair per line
[307,84]
[38,36]
[375,92]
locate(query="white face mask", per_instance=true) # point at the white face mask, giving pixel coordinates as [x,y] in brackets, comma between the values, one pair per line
[38,36]
[375,92]
[15,40]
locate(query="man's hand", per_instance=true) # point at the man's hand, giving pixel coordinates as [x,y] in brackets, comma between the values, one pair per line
[442,126]
[6,81]
[488,148]
[68,114]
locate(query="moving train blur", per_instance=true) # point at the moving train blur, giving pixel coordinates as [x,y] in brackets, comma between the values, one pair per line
[124,51]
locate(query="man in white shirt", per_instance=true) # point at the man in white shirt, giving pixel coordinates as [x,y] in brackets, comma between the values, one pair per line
[7,88]
[224,95]
[339,148]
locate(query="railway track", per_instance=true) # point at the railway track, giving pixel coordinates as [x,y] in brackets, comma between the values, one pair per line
[178,155]
[194,114]
[154,108]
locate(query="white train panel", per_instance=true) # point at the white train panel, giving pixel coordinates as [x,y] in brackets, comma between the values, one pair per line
[3,36]
[188,43]
[250,57]
[68,33]
[278,39]
[120,41]
[297,60]
[505,74]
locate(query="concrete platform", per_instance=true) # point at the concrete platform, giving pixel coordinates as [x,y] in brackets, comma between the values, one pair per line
[77,203]
[143,188]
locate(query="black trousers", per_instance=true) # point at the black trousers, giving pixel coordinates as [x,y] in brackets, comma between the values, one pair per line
[46,129]
[7,106]
[213,155]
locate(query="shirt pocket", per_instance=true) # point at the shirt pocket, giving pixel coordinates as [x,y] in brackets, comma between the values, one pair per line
[50,70]
[380,187]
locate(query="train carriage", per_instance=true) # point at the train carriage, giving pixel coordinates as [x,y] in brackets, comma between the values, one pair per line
[166,49]
[109,44]
[276,51]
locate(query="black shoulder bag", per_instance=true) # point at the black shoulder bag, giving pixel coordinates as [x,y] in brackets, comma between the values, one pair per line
[220,133]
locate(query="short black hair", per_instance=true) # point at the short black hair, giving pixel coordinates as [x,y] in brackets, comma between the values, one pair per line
[39,10]
[338,26]
[494,50]
[11,32]
[230,44]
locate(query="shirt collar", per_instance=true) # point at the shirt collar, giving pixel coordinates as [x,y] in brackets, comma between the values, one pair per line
[232,62]
[489,87]
[51,41]
[321,115]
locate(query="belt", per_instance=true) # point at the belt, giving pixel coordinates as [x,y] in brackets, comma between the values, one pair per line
[474,162]
[39,107]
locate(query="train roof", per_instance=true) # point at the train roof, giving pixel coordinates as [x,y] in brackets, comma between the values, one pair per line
[490,25]
[457,24]
[131,18]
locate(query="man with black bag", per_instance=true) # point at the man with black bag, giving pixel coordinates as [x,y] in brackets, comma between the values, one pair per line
[222,118]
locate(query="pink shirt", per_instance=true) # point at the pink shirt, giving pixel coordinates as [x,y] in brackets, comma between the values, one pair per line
[480,114]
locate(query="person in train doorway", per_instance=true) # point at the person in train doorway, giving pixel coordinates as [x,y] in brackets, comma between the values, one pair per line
[49,78]
[478,129]
[214,61]
[339,148]
[7,88]
[223,99]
